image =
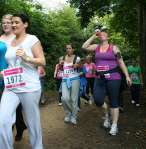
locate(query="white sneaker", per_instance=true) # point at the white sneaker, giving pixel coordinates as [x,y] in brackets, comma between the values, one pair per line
[137,105]
[90,102]
[132,101]
[59,104]
[78,109]
[106,123]
[73,120]
[67,119]
[114,130]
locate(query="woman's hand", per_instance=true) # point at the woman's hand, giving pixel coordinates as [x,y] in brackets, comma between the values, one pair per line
[76,66]
[87,45]
[21,53]
[128,80]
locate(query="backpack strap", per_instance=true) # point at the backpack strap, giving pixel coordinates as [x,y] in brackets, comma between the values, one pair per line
[75,59]
[63,58]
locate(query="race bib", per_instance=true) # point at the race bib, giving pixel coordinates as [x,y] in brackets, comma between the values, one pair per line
[13,78]
[68,71]
[104,68]
[89,70]
[60,74]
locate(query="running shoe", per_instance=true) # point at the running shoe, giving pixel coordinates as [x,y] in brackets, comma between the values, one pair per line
[114,130]
[67,118]
[73,120]
[106,123]
[90,102]
[137,105]
[59,104]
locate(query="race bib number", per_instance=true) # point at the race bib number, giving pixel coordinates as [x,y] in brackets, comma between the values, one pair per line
[104,68]
[13,78]
[69,71]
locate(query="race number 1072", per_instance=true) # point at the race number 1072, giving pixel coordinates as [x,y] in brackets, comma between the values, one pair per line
[13,77]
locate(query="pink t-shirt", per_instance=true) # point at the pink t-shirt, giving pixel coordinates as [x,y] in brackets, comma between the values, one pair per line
[90,70]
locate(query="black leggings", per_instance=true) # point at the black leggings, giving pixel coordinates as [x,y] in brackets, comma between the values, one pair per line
[58,83]
[90,84]
[135,92]
[111,88]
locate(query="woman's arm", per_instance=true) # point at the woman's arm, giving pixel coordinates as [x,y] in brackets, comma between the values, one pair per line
[55,72]
[122,64]
[41,71]
[87,44]
[38,55]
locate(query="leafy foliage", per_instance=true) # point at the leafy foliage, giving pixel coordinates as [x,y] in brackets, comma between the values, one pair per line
[54,29]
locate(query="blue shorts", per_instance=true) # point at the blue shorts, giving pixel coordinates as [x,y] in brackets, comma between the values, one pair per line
[111,88]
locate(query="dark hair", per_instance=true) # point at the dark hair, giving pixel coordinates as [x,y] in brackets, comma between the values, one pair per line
[22,16]
[101,28]
[71,44]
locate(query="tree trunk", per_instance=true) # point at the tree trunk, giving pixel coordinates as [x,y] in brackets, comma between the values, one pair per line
[142,37]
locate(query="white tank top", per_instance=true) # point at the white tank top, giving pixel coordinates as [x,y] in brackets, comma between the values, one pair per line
[69,71]
[30,75]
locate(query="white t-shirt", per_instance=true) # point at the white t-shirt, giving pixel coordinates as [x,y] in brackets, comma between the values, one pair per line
[31,76]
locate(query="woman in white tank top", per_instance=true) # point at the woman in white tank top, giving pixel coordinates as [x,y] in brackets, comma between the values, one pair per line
[70,85]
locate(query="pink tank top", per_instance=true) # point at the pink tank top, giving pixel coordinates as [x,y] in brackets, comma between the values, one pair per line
[107,61]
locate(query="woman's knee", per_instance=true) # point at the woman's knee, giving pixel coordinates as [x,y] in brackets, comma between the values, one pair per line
[98,101]
[114,104]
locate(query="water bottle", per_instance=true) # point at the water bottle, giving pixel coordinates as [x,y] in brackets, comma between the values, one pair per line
[97,31]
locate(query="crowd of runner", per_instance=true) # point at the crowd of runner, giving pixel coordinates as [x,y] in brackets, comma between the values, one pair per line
[93,78]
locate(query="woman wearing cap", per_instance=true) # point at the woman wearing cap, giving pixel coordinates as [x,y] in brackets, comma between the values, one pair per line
[107,59]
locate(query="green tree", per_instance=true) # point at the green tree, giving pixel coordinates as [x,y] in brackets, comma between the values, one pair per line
[54,29]
[129,19]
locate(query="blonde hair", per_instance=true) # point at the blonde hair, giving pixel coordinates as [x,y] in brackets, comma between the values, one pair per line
[89,56]
[7,16]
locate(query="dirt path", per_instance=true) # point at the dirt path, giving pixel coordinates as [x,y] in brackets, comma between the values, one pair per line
[88,134]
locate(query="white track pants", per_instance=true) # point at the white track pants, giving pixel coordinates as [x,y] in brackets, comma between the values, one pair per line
[70,97]
[8,105]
